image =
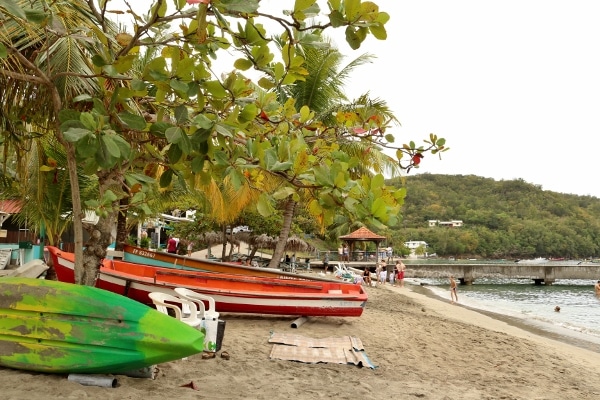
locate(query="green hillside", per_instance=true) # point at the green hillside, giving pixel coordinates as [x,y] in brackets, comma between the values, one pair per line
[502,219]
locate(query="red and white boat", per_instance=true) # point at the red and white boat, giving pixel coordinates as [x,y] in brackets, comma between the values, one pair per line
[232,293]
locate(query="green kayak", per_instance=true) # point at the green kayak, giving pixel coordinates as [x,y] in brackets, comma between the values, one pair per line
[56,327]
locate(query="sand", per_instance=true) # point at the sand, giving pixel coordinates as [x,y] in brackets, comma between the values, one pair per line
[424,348]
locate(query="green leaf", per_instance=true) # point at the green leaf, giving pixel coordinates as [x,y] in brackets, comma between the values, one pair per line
[124,146]
[215,88]
[132,121]
[135,177]
[138,85]
[174,134]
[337,19]
[281,166]
[159,128]
[323,175]
[223,130]
[13,8]
[166,178]
[103,156]
[88,121]
[36,16]
[82,97]
[197,164]
[74,134]
[109,197]
[181,114]
[236,178]
[174,153]
[68,114]
[352,38]
[242,6]
[178,85]
[99,106]
[202,121]
[379,209]
[283,193]
[352,8]
[243,64]
[264,206]
[87,146]
[3,51]
[301,5]
[378,31]
[248,112]
[111,146]
[377,182]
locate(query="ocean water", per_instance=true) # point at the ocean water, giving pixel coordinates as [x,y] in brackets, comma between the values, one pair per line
[578,319]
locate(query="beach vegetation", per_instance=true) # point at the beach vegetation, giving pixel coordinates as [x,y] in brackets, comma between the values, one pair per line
[505,219]
[144,112]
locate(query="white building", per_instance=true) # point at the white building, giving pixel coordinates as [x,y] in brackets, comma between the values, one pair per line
[412,245]
[456,223]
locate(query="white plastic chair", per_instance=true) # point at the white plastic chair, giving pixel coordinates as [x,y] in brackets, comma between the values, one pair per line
[198,300]
[165,301]
[210,317]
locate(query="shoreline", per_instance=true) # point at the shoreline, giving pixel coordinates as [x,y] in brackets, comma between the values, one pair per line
[563,335]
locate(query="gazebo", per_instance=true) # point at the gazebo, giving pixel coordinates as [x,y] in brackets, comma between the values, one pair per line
[362,235]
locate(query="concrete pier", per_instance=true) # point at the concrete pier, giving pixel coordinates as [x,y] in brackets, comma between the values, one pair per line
[543,273]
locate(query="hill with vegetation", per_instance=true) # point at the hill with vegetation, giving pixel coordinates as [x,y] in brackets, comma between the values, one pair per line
[501,219]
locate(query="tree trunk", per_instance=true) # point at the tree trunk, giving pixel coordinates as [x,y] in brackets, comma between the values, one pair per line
[95,248]
[288,217]
[122,223]
[224,248]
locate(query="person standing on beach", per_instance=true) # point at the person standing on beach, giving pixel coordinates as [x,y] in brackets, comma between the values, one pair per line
[172,245]
[391,273]
[381,272]
[326,262]
[453,294]
[400,267]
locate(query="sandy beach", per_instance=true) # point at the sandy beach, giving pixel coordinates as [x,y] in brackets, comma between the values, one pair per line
[423,347]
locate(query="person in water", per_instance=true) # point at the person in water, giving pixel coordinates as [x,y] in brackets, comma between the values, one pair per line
[453,294]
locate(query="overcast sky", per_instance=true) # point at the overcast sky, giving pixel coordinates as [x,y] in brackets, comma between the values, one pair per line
[513,85]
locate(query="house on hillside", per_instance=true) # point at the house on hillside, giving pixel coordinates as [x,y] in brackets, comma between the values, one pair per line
[457,223]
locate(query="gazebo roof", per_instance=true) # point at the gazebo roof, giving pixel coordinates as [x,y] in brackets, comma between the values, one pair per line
[363,234]
[10,206]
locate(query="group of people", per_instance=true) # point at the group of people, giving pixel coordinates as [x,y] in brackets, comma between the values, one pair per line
[344,253]
[385,272]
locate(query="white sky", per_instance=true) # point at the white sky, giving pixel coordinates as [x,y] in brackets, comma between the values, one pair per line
[513,85]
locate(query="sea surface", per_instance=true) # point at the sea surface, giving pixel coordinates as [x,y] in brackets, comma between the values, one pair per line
[578,320]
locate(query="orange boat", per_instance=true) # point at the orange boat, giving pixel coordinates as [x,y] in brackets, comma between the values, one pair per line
[232,293]
[167,260]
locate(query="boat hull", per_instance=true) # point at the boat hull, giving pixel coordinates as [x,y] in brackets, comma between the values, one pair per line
[167,260]
[55,327]
[232,293]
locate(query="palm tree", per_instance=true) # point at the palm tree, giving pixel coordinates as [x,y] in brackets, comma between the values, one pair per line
[42,73]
